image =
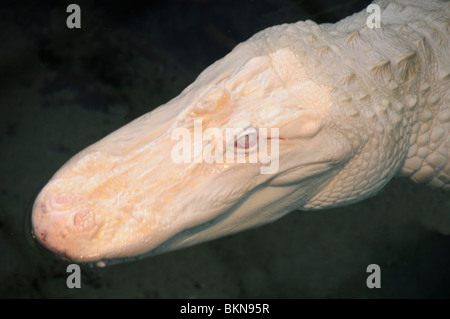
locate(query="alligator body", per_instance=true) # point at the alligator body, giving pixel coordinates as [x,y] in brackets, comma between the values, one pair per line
[344,107]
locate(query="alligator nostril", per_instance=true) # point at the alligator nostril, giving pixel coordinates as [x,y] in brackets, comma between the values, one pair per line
[84,220]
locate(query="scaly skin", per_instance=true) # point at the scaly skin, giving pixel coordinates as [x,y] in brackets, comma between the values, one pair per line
[354,107]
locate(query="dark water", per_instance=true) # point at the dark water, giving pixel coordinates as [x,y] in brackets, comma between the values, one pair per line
[61,90]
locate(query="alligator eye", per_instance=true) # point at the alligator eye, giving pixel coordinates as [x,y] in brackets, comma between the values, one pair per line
[247,139]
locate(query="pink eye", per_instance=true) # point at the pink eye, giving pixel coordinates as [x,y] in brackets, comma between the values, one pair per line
[247,139]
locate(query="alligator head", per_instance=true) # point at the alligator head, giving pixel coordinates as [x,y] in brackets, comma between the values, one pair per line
[176,176]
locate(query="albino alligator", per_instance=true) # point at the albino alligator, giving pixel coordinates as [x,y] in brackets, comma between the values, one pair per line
[354,106]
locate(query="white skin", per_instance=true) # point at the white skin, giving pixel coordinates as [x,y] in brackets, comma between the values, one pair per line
[125,196]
